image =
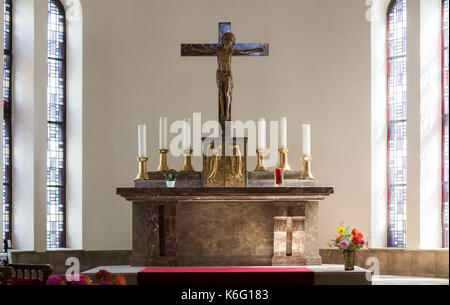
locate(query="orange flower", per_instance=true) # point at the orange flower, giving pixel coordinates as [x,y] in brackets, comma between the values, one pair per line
[120,280]
[103,276]
[356,240]
[338,239]
[355,232]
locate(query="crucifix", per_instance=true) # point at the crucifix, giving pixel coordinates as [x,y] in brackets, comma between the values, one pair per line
[224,50]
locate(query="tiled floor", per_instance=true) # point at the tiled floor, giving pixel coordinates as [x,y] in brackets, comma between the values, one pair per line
[407,280]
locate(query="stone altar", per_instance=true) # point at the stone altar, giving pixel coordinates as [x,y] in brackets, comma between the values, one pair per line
[194,226]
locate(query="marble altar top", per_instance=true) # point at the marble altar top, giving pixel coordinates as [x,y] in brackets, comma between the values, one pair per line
[250,194]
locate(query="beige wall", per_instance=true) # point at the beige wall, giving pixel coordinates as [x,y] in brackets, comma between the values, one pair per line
[318,72]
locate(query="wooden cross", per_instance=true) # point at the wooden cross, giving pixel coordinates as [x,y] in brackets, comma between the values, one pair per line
[224,49]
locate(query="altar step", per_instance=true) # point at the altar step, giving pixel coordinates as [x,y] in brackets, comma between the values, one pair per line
[322,275]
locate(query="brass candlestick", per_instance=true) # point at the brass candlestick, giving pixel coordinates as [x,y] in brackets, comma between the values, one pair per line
[142,175]
[306,170]
[163,167]
[284,159]
[261,166]
[187,167]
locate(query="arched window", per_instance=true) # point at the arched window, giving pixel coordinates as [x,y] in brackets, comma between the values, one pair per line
[7,115]
[397,124]
[445,130]
[56,125]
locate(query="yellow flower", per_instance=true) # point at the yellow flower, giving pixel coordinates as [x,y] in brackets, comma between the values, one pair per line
[341,230]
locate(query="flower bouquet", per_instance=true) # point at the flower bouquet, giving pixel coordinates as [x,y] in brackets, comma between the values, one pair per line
[102,277]
[348,242]
[171,176]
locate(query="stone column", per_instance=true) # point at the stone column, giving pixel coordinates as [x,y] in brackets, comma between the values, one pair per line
[139,253]
[170,232]
[154,234]
[279,232]
[312,234]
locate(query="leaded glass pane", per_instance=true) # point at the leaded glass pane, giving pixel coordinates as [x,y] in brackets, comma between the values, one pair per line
[7,114]
[56,126]
[397,126]
[56,35]
[7,25]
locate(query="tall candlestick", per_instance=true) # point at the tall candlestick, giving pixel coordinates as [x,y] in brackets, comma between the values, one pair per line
[262,134]
[163,132]
[306,140]
[142,141]
[186,143]
[283,140]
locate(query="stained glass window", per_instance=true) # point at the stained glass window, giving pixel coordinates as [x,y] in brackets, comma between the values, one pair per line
[56,126]
[445,130]
[7,114]
[397,125]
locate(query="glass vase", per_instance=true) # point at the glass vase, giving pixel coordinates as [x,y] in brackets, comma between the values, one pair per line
[349,260]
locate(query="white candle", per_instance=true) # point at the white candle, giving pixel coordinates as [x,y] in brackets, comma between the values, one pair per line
[306,140]
[142,141]
[261,133]
[283,143]
[186,143]
[163,132]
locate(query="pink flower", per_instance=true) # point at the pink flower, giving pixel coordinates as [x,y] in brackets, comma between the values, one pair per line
[83,281]
[363,242]
[55,280]
[344,244]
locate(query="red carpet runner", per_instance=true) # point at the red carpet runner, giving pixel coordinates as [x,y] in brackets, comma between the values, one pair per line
[225,276]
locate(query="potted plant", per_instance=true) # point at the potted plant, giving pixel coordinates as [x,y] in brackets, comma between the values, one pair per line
[171,176]
[348,242]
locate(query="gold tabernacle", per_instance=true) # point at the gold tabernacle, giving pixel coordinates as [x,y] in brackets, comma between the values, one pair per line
[224,162]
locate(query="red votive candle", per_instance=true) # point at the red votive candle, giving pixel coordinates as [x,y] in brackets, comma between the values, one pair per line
[278,176]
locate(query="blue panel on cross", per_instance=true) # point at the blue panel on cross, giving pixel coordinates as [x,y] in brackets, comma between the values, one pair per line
[224,27]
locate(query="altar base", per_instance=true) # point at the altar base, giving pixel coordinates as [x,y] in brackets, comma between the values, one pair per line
[196,226]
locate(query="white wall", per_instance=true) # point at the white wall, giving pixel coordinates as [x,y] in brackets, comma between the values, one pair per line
[431,124]
[74,127]
[318,72]
[378,122]
[413,121]
[29,124]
